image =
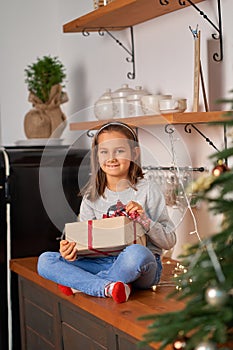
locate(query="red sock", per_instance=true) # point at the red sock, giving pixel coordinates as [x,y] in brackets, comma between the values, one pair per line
[66,290]
[119,291]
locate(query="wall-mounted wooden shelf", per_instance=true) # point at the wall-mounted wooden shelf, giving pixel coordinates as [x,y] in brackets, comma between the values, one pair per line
[149,120]
[121,14]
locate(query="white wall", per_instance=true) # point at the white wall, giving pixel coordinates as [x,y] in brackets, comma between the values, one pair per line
[164,63]
[26,33]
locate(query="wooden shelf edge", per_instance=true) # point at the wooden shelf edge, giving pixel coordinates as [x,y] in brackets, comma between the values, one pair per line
[121,14]
[173,118]
[88,20]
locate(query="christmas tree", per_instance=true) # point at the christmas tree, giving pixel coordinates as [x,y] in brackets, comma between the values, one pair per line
[206,286]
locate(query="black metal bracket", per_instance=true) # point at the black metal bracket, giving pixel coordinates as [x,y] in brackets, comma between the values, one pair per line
[90,133]
[217,57]
[169,128]
[131,59]
[187,129]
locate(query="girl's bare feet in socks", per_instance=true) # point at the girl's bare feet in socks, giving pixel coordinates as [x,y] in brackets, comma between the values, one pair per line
[119,291]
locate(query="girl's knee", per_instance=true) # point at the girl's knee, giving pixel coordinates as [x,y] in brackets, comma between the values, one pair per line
[44,257]
[44,260]
[140,252]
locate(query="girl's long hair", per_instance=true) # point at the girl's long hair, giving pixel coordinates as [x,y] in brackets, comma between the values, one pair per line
[98,181]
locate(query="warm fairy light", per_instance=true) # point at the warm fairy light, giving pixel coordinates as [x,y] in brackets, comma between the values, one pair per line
[179,344]
[180,268]
[216,172]
[168,262]
[220,168]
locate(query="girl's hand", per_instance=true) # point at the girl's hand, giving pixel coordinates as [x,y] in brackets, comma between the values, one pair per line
[68,250]
[142,219]
[134,206]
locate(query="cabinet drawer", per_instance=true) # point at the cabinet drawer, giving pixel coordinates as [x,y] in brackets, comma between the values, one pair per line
[37,317]
[39,320]
[38,296]
[78,324]
[36,342]
[73,339]
[126,342]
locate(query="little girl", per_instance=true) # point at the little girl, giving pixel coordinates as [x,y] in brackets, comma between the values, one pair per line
[116,174]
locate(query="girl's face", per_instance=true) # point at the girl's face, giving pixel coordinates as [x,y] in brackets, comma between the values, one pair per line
[114,155]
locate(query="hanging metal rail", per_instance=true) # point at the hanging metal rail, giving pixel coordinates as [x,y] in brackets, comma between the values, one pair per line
[217,57]
[131,59]
[173,168]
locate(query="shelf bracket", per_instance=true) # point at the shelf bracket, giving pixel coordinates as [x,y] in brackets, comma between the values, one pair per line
[169,129]
[187,129]
[90,133]
[131,59]
[219,36]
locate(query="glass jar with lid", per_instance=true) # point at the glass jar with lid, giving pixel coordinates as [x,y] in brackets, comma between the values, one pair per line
[103,107]
[120,104]
[134,101]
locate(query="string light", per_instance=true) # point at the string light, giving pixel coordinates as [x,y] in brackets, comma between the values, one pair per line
[220,168]
[175,164]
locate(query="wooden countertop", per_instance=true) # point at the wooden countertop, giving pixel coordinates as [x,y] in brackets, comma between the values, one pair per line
[121,316]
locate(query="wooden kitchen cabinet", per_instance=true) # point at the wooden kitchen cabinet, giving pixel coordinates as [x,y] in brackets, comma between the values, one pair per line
[48,322]
[51,320]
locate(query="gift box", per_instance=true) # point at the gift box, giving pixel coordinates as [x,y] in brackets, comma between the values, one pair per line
[106,236]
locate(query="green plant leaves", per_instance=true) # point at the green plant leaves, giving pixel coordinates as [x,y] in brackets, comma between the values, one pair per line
[43,74]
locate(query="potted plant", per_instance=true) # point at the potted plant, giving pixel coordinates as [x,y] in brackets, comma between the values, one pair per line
[45,82]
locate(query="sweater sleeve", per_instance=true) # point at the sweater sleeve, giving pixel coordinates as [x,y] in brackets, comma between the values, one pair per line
[162,230]
[86,210]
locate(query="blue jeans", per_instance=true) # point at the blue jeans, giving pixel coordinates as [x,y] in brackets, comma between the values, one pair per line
[135,264]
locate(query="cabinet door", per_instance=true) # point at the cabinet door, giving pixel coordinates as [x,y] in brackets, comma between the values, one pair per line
[38,321]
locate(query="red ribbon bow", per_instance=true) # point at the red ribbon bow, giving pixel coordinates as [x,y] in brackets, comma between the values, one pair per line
[120,211]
